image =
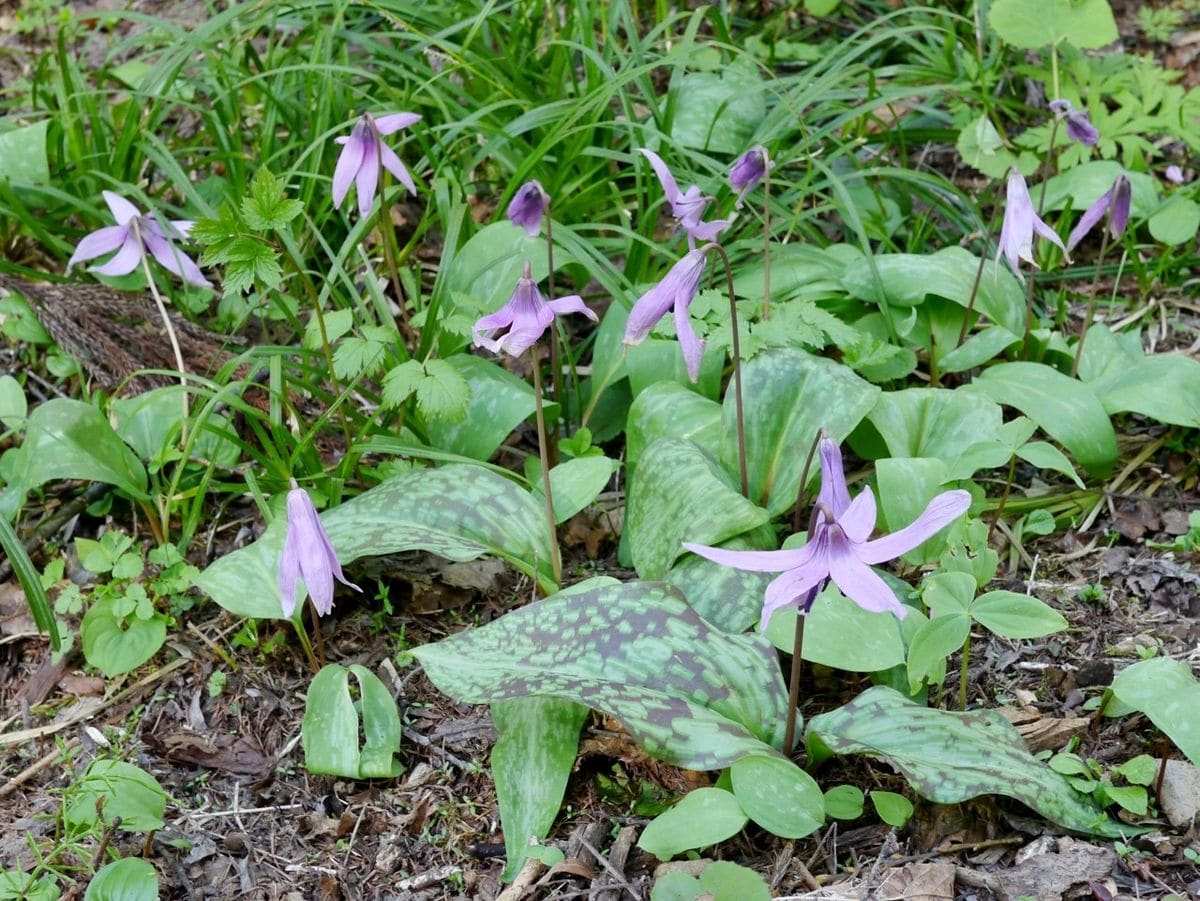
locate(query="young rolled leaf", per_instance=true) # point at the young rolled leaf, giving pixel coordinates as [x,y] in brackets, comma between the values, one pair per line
[689,693]
[331,726]
[950,757]
[460,512]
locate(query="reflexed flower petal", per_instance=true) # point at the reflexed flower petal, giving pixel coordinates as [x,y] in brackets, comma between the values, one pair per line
[1122,200]
[791,587]
[126,260]
[1090,217]
[707,231]
[858,581]
[858,520]
[680,283]
[123,211]
[348,162]
[1020,223]
[367,177]
[665,178]
[173,260]
[392,163]
[834,492]
[756,561]
[571,304]
[102,241]
[528,206]
[940,512]
[527,314]
[393,122]
[691,346]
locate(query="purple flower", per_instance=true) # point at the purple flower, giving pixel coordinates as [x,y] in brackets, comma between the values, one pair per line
[686,207]
[1174,175]
[527,315]
[1115,201]
[528,206]
[308,554]
[1079,126]
[1020,223]
[838,548]
[363,153]
[748,171]
[676,290]
[131,237]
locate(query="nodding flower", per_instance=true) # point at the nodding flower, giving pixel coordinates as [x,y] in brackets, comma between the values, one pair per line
[363,152]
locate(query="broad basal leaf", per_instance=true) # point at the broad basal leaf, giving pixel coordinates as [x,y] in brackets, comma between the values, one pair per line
[691,694]
[731,599]
[459,512]
[789,396]
[680,494]
[950,757]
[669,410]
[70,439]
[531,762]
[1066,409]
[499,402]
[1034,24]
[933,422]
[1167,692]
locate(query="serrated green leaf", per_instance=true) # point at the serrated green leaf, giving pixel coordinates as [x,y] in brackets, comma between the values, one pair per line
[267,208]
[531,762]
[443,394]
[789,396]
[337,323]
[459,512]
[704,817]
[681,494]
[358,355]
[950,757]
[401,382]
[690,694]
[498,402]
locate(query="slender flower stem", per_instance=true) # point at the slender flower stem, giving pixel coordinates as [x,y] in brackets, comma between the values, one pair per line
[767,243]
[166,320]
[298,625]
[327,352]
[983,256]
[789,733]
[1012,471]
[1091,307]
[555,555]
[555,366]
[1028,317]
[390,249]
[737,370]
[962,676]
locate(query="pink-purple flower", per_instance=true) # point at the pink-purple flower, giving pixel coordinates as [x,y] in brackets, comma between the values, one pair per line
[528,206]
[309,555]
[1115,202]
[839,547]
[363,153]
[131,237]
[527,315]
[748,171]
[1174,175]
[676,291]
[1079,126]
[688,206]
[1021,221]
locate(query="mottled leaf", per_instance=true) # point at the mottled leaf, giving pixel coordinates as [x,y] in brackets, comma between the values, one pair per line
[731,599]
[689,693]
[934,422]
[669,410]
[680,493]
[531,762]
[789,395]
[460,512]
[778,795]
[950,757]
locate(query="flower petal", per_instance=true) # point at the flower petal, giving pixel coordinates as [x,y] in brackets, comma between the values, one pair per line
[834,493]
[289,569]
[392,163]
[174,260]
[791,588]
[393,122]
[858,521]
[367,178]
[349,161]
[859,582]
[649,309]
[125,261]
[942,510]
[102,241]
[692,347]
[1090,217]
[665,178]
[708,231]
[756,561]
[573,303]
[123,211]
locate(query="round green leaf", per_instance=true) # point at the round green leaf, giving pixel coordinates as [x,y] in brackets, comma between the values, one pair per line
[13,405]
[704,817]
[128,879]
[893,809]
[1033,24]
[116,644]
[1015,615]
[727,881]
[1176,221]
[778,795]
[844,802]
[129,793]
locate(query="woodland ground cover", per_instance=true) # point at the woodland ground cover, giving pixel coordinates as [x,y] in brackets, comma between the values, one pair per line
[760,436]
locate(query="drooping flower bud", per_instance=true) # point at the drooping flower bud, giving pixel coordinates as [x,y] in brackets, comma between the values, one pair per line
[748,171]
[528,206]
